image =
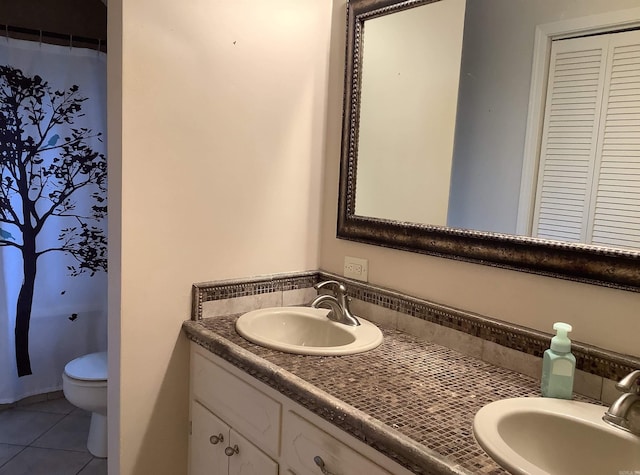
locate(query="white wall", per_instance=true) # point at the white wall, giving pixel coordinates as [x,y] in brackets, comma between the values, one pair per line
[217,124]
[600,316]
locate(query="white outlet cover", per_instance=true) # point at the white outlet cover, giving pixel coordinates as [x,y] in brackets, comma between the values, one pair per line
[356,268]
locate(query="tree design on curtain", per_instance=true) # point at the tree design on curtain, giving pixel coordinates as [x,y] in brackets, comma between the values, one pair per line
[41,176]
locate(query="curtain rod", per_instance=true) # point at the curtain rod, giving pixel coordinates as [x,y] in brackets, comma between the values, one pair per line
[42,36]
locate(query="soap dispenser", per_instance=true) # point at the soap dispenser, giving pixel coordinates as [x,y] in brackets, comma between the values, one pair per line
[558,365]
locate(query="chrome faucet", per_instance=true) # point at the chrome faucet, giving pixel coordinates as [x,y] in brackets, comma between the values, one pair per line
[620,411]
[338,303]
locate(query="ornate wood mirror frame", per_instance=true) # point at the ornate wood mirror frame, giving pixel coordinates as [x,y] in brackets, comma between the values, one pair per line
[584,263]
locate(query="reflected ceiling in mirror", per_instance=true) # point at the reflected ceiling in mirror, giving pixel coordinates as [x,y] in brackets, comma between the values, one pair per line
[500,108]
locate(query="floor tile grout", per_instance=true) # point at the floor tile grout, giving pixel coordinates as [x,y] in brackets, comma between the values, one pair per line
[14,455]
[79,472]
[56,408]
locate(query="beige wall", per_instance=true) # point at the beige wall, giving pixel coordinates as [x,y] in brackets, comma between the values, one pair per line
[603,317]
[216,146]
[217,117]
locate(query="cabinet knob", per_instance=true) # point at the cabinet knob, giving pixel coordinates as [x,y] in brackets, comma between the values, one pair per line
[216,439]
[320,463]
[229,451]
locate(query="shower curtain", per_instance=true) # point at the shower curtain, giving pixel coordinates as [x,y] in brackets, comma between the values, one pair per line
[53,283]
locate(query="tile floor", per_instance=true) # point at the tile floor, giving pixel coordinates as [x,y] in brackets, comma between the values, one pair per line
[46,438]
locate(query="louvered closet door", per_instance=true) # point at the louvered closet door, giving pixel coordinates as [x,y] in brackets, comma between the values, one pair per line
[569,141]
[615,211]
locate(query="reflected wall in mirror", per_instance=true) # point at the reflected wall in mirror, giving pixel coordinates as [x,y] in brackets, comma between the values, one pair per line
[504,137]
[413,108]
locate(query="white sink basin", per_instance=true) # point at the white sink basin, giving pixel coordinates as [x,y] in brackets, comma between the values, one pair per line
[306,331]
[537,436]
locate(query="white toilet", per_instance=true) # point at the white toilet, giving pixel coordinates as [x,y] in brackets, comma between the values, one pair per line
[84,382]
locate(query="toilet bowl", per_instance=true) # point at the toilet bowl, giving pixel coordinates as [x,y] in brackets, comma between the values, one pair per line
[84,382]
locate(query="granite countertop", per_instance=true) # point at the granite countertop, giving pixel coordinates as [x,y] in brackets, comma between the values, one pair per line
[410,399]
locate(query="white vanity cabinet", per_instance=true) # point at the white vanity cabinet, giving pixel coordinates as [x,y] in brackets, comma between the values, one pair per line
[235,428]
[241,426]
[307,449]
[217,449]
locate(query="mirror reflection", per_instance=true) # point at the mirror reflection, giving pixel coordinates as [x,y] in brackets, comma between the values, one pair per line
[416,109]
[547,134]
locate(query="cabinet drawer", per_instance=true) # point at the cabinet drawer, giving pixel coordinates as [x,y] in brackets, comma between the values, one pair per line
[250,412]
[302,442]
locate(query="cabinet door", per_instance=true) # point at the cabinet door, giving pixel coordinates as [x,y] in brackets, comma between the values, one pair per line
[209,437]
[307,448]
[249,460]
[243,407]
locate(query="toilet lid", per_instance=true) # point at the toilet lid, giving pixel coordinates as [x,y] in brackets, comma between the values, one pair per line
[91,367]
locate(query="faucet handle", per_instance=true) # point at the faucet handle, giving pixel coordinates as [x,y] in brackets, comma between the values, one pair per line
[630,383]
[339,289]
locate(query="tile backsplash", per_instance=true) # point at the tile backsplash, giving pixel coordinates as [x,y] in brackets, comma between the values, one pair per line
[502,344]
[226,297]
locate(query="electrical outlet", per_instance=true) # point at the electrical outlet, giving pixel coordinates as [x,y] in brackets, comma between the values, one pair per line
[356,268]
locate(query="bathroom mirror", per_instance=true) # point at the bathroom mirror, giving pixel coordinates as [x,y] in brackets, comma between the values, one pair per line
[493,138]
